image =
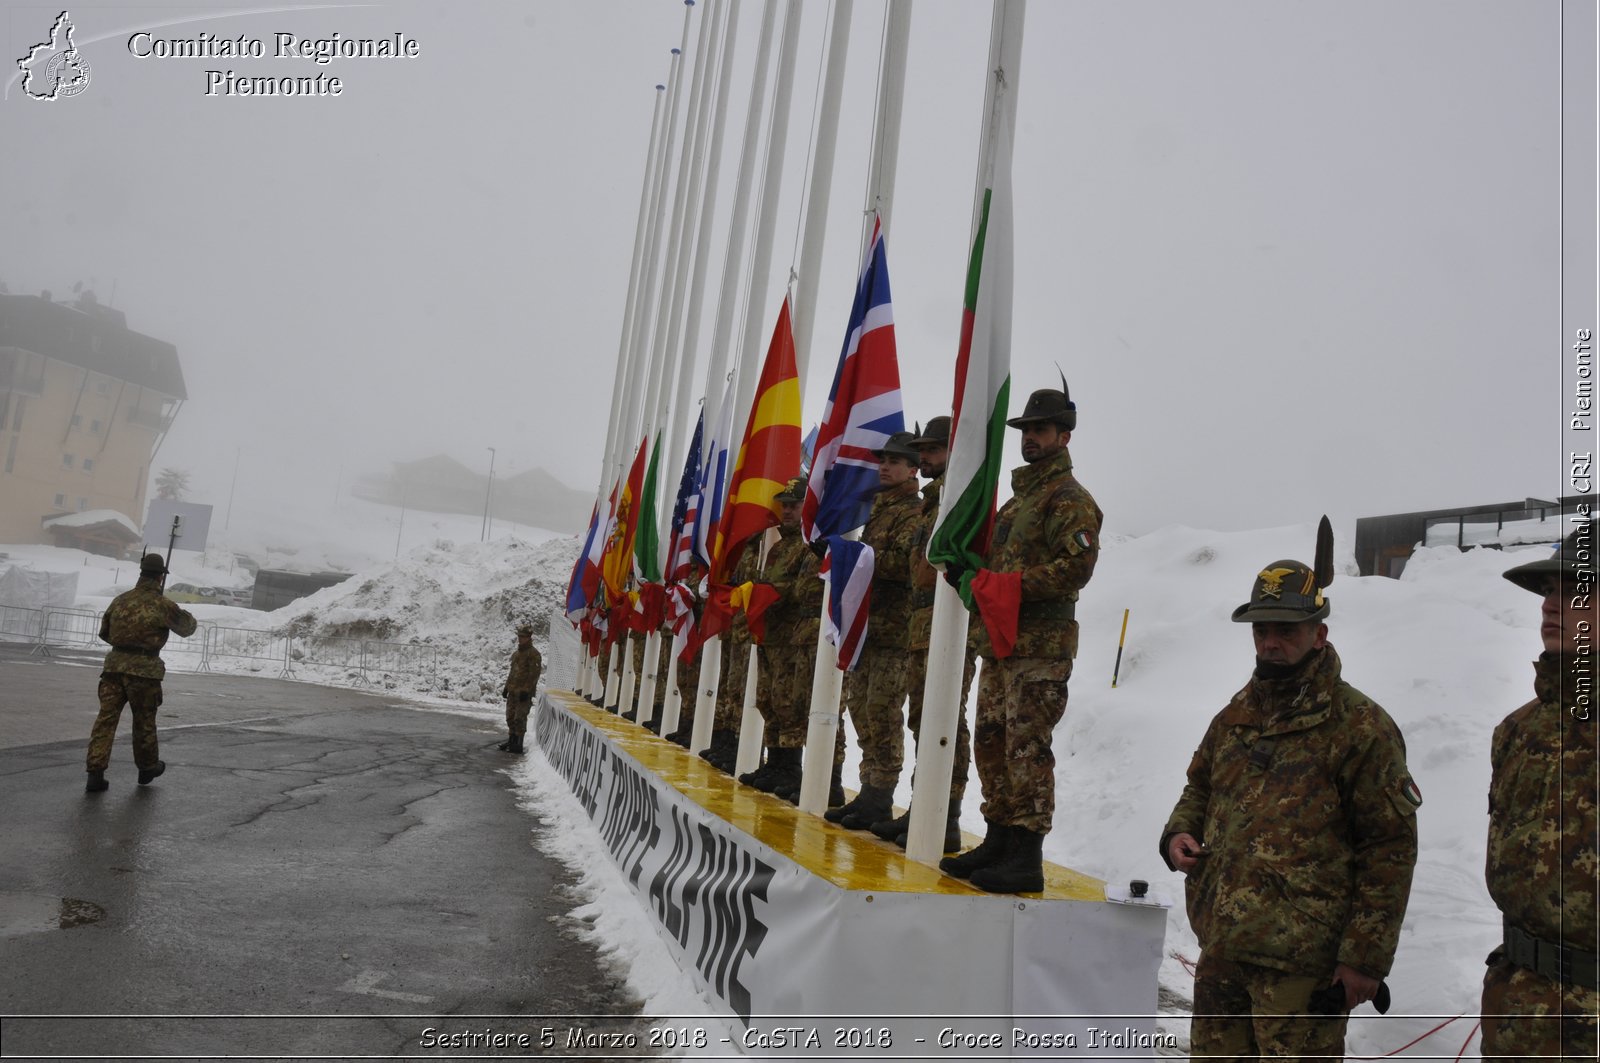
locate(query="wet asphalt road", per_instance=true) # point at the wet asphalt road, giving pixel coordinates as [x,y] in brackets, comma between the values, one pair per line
[325,855]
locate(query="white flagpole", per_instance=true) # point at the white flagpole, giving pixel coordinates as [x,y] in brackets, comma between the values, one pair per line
[827,681]
[718,372]
[947,641]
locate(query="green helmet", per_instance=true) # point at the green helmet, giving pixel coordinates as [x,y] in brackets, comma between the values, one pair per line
[899,446]
[793,491]
[1573,560]
[1049,404]
[1285,592]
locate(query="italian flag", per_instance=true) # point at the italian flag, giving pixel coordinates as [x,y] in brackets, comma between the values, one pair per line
[646,541]
[960,539]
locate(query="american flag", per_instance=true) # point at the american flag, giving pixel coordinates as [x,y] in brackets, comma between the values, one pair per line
[680,557]
[713,482]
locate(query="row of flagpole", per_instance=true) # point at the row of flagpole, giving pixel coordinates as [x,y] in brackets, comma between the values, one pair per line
[722,511]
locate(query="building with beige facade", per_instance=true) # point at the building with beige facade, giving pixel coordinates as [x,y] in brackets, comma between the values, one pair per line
[84,405]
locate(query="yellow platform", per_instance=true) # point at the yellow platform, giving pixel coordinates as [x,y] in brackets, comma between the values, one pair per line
[852,860]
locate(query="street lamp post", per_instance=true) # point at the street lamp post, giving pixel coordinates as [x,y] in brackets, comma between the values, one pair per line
[226,521]
[487,492]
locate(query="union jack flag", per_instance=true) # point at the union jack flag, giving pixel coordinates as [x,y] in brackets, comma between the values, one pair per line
[848,572]
[864,409]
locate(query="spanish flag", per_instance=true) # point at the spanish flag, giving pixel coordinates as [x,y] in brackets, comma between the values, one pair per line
[616,566]
[769,455]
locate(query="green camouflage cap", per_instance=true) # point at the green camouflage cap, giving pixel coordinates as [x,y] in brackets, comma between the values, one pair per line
[899,446]
[1573,559]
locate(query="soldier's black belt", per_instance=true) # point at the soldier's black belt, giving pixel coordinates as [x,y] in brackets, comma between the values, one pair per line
[1049,609]
[137,651]
[1559,962]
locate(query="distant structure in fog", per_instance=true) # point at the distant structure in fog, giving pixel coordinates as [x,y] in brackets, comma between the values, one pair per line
[85,403]
[441,484]
[1384,544]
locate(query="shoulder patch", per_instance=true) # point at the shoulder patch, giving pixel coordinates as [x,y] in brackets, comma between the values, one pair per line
[1410,791]
[1084,538]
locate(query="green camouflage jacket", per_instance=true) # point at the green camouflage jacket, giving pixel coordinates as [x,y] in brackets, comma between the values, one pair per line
[923,575]
[526,664]
[891,532]
[1543,869]
[1049,531]
[1300,792]
[136,624]
[792,570]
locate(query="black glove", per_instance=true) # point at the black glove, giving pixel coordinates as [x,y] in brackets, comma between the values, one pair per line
[953,573]
[505,692]
[1329,1000]
[819,547]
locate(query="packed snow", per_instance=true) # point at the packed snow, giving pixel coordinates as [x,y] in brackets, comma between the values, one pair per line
[1446,650]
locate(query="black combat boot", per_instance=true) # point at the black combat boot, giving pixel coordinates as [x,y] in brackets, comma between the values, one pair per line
[149,775]
[952,829]
[761,777]
[785,765]
[97,782]
[505,747]
[516,744]
[836,787]
[723,751]
[680,737]
[890,829]
[873,804]
[1022,870]
[991,850]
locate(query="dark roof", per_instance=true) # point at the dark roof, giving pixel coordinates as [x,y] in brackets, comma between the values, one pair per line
[91,337]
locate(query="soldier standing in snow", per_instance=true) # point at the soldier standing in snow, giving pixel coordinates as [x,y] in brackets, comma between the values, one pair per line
[1298,833]
[1046,541]
[521,684]
[136,626]
[1540,993]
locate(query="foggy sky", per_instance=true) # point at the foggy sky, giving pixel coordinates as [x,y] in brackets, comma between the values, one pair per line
[1293,259]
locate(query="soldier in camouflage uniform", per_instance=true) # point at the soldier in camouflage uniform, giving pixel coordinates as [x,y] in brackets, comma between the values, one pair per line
[1046,541]
[933,450]
[1540,994]
[136,625]
[1298,833]
[724,747]
[521,684]
[876,689]
[792,572]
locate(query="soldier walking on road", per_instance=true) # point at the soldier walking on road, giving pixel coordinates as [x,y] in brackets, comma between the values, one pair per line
[1298,833]
[876,689]
[1046,541]
[1540,994]
[136,625]
[521,684]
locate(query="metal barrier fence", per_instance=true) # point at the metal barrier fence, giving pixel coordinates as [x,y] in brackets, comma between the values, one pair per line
[44,629]
[20,624]
[562,652]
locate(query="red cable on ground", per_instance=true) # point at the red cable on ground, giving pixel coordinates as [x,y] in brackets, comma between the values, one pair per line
[1414,1040]
[1468,1041]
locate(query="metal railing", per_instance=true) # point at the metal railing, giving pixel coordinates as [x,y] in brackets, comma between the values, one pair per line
[360,660]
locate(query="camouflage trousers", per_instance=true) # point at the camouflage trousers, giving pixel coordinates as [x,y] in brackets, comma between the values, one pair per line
[141,695]
[730,692]
[1526,1015]
[517,706]
[873,694]
[1246,1012]
[917,678]
[1020,701]
[787,706]
[688,688]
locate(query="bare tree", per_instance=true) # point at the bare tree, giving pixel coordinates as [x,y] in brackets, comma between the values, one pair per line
[172,484]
